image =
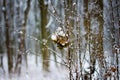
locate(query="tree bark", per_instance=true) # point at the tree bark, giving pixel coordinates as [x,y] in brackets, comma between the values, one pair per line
[26,12]
[69,26]
[44,35]
[21,36]
[6,4]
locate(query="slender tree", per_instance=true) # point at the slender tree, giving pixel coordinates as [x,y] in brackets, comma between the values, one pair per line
[44,34]
[69,25]
[19,54]
[6,5]
[21,35]
[1,39]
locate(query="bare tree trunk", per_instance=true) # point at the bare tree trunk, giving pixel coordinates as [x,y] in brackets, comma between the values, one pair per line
[7,29]
[117,37]
[69,25]
[19,36]
[38,26]
[88,35]
[1,40]
[26,12]
[44,34]
[100,34]
[115,33]
[97,14]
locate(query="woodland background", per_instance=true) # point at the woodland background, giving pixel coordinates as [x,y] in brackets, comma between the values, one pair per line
[89,49]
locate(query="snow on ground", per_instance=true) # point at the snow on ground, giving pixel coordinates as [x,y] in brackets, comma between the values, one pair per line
[35,72]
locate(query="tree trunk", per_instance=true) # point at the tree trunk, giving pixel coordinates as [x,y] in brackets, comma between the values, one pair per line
[1,40]
[97,14]
[44,35]
[19,36]
[26,12]
[6,5]
[87,27]
[69,26]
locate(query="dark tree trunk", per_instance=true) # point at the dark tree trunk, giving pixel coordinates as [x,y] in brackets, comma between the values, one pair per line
[44,35]
[1,40]
[6,5]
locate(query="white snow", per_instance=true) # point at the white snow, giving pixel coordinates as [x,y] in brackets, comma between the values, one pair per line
[74,4]
[3,8]
[35,72]
[21,32]
[53,37]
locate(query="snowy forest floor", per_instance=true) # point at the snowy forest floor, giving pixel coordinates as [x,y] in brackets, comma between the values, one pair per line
[35,72]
